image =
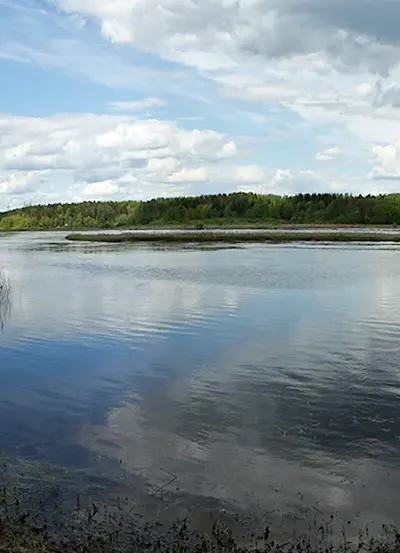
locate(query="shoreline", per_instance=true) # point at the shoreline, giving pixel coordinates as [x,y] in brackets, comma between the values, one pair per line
[207,236]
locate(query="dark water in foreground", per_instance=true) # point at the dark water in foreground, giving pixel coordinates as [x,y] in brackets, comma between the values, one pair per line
[261,379]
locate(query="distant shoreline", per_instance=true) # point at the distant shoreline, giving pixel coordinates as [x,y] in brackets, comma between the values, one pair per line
[232,210]
[207,236]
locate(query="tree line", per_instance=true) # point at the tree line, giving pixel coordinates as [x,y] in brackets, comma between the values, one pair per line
[219,209]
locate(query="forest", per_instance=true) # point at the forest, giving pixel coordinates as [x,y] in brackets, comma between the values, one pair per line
[213,210]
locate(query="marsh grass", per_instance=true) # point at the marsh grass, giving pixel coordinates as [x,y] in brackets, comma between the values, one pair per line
[5,299]
[37,517]
[234,237]
[95,532]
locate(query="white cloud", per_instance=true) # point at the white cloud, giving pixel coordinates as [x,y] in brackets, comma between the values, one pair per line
[259,91]
[342,69]
[332,77]
[293,182]
[199,174]
[386,162]
[364,111]
[162,165]
[19,182]
[101,189]
[74,156]
[288,182]
[249,174]
[329,154]
[138,105]
[214,34]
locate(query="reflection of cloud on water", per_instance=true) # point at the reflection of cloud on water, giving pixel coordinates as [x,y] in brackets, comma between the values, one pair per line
[286,416]
[148,442]
[218,466]
[100,298]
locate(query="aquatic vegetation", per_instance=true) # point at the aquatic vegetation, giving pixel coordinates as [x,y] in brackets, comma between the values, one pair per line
[5,299]
[121,535]
[235,237]
[38,516]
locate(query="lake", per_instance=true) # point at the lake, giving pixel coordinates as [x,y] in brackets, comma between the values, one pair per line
[262,380]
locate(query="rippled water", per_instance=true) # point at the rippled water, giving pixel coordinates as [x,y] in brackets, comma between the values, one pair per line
[261,378]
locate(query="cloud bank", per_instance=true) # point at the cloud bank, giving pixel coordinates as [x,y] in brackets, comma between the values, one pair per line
[160,97]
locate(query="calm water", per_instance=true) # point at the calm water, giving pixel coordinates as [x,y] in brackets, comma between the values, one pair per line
[261,379]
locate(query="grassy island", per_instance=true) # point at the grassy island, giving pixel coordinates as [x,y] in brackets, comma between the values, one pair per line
[205,237]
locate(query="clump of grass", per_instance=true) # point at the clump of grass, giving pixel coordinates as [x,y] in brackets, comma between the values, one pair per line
[18,536]
[5,299]
[37,519]
[234,237]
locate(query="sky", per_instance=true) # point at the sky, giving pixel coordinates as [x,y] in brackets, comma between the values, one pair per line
[135,99]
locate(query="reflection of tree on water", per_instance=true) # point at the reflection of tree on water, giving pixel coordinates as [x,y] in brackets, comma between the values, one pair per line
[5,299]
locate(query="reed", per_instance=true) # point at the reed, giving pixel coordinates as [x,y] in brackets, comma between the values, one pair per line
[5,299]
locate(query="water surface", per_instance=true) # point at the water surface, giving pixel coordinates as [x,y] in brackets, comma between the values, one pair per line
[263,378]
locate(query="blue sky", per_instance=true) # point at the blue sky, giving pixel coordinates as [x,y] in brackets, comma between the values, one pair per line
[140,98]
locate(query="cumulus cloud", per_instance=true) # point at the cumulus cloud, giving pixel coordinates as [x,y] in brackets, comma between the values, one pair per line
[87,156]
[73,157]
[96,156]
[386,162]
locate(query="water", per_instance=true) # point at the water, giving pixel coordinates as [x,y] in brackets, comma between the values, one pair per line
[258,379]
